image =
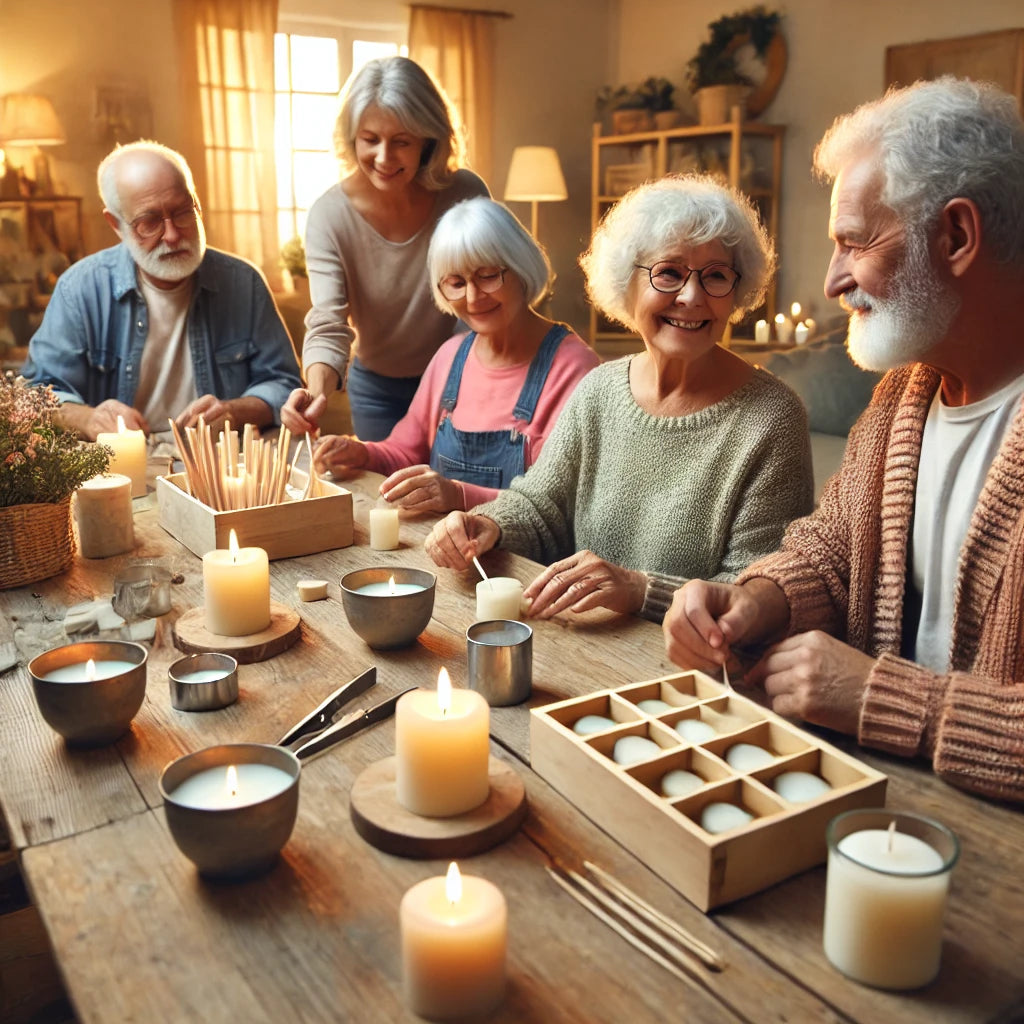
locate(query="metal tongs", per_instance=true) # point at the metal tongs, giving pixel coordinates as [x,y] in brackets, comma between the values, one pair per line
[319,731]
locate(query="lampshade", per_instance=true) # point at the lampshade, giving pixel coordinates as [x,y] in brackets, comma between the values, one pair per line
[535,175]
[29,121]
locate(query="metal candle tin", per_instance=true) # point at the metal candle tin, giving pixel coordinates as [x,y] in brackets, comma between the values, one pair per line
[205,695]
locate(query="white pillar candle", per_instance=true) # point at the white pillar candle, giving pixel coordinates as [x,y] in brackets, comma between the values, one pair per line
[885,898]
[103,513]
[224,787]
[454,942]
[783,329]
[384,529]
[442,750]
[236,590]
[498,597]
[762,332]
[86,671]
[801,333]
[129,455]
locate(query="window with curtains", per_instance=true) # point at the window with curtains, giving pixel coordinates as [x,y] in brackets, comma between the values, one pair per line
[309,71]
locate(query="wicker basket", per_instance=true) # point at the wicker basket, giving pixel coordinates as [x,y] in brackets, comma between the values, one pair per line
[36,542]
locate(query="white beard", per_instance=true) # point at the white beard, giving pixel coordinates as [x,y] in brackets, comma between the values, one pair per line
[164,263]
[902,328]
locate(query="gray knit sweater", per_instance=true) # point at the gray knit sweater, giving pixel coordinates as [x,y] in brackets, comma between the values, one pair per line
[676,497]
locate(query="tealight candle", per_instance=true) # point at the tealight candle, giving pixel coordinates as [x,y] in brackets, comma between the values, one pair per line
[236,590]
[129,456]
[762,332]
[783,329]
[231,786]
[498,597]
[383,529]
[442,750]
[454,946]
[631,749]
[885,896]
[103,514]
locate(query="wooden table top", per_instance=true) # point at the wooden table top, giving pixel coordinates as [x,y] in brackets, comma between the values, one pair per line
[138,936]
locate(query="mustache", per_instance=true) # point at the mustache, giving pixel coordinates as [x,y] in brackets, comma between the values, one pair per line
[857,299]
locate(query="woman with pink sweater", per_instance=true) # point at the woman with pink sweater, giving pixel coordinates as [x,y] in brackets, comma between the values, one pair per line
[489,399]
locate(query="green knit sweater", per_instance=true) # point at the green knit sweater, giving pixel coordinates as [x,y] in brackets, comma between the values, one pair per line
[676,497]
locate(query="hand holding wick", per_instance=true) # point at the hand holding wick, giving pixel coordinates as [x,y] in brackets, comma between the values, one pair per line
[457,539]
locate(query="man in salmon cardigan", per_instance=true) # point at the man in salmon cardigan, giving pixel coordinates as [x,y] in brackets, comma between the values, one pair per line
[895,611]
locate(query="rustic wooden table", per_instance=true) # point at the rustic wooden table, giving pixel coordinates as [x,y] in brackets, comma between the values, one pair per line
[139,937]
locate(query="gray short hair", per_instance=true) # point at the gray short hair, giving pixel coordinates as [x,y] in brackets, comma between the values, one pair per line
[936,141]
[402,88]
[106,173]
[482,232]
[676,210]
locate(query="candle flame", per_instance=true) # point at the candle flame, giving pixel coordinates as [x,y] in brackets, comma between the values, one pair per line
[391,586]
[121,428]
[233,545]
[780,318]
[444,691]
[453,883]
[90,670]
[796,309]
[231,780]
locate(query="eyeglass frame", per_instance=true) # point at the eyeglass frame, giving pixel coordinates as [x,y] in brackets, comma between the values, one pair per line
[192,213]
[690,271]
[502,271]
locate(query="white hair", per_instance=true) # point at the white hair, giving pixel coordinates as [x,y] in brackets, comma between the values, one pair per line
[106,173]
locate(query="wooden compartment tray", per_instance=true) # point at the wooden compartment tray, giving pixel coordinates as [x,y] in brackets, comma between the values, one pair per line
[709,869]
[285,531]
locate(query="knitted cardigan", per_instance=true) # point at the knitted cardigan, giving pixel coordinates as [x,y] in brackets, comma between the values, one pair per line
[843,570]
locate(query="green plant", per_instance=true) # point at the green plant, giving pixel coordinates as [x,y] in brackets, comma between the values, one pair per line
[715,60]
[657,93]
[652,94]
[41,462]
[293,257]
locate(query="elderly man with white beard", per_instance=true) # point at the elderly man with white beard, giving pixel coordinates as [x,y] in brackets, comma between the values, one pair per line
[895,612]
[160,326]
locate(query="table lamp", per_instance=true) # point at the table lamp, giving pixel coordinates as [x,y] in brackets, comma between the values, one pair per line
[535,176]
[31,121]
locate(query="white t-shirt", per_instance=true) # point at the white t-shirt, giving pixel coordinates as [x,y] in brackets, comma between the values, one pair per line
[166,380]
[957,449]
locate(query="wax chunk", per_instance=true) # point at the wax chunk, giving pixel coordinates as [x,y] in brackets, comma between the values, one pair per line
[721,817]
[653,706]
[591,723]
[694,729]
[799,787]
[631,749]
[745,757]
[312,590]
[679,782]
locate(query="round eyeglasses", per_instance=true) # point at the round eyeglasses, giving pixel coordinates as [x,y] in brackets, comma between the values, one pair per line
[149,225]
[717,279]
[485,279]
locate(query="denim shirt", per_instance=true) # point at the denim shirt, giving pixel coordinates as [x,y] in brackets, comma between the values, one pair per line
[89,345]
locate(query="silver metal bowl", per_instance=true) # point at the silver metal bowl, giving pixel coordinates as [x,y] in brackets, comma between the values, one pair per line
[90,712]
[386,621]
[192,694]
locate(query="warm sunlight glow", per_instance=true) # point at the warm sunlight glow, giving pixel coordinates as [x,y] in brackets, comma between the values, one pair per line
[444,691]
[90,670]
[231,780]
[453,883]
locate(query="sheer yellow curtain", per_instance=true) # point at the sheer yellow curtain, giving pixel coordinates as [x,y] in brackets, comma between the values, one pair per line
[457,48]
[226,56]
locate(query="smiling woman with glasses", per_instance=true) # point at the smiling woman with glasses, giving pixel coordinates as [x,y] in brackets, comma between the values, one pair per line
[490,398]
[683,461]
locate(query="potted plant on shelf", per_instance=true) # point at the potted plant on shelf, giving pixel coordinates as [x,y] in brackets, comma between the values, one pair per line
[293,262]
[657,94]
[638,108]
[714,74]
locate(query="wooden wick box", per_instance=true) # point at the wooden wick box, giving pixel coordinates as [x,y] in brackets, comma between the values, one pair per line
[292,528]
[709,869]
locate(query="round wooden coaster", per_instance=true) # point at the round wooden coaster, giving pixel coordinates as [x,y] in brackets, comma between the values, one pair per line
[383,822]
[192,636]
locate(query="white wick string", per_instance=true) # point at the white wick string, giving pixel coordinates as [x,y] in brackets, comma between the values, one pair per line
[480,569]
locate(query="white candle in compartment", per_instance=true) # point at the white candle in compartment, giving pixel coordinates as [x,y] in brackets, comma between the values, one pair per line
[454,946]
[103,513]
[498,597]
[799,787]
[631,749]
[236,590]
[224,787]
[680,782]
[442,749]
[384,529]
[85,671]
[129,455]
[695,730]
[653,706]
[746,757]
[762,332]
[721,817]
[591,723]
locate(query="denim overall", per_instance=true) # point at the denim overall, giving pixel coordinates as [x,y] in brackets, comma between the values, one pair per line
[490,458]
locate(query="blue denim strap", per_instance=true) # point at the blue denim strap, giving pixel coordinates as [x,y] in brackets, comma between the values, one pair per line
[452,384]
[526,404]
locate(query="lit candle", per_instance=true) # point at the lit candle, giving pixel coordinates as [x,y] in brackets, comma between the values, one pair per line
[801,333]
[89,670]
[103,514]
[388,588]
[236,590]
[454,941]
[762,332]
[811,326]
[220,788]
[442,750]
[783,329]
[498,597]
[795,310]
[383,529]
[129,455]
[885,898]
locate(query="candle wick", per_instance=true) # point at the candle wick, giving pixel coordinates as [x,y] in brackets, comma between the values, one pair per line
[892,832]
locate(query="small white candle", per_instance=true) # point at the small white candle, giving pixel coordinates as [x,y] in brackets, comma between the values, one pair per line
[795,310]
[388,588]
[801,333]
[499,597]
[383,529]
[236,590]
[454,946]
[103,514]
[885,898]
[86,671]
[783,329]
[762,332]
[129,455]
[442,749]
[221,788]
[811,326]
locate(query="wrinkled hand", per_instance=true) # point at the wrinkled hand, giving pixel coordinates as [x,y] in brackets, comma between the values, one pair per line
[337,453]
[815,677]
[459,537]
[584,581]
[215,411]
[704,620]
[103,419]
[301,412]
[422,489]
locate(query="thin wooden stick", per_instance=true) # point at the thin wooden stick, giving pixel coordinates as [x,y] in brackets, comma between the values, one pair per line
[641,907]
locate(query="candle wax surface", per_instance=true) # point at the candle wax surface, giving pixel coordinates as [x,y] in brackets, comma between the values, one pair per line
[77,673]
[903,855]
[591,723]
[384,589]
[631,749]
[694,729]
[204,675]
[208,788]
